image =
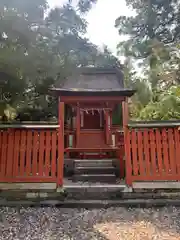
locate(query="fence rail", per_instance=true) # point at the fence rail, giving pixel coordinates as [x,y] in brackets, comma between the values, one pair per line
[28,155]
[152,154]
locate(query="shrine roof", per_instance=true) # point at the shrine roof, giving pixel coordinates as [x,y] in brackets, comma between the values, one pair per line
[93,92]
[91,81]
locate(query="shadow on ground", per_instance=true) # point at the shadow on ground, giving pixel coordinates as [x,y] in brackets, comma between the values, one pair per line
[82,224]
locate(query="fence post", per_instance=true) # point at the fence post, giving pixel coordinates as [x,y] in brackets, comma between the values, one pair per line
[128,166]
[60,164]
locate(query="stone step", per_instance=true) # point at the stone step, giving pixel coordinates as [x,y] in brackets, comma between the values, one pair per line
[99,178]
[94,170]
[140,203]
[87,191]
[93,162]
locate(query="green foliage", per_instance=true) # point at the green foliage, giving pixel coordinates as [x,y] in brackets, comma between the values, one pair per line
[38,47]
[153,38]
[166,106]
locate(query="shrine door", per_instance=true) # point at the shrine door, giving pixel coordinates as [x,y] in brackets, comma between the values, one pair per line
[91,120]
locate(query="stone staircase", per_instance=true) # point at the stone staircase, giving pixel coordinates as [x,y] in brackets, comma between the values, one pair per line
[94,170]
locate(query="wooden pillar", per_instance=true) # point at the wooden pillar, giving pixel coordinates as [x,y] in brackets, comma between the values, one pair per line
[125,112]
[110,127]
[78,118]
[128,166]
[60,164]
[107,126]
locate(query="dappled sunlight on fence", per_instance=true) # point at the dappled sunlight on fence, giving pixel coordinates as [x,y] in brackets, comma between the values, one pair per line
[28,155]
[153,154]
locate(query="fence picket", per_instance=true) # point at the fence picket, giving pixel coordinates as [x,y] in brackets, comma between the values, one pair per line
[171,146]
[165,151]
[1,138]
[177,147]
[140,152]
[53,154]
[28,165]
[22,152]
[153,152]
[16,153]
[10,153]
[134,152]
[159,151]
[41,152]
[146,152]
[35,153]
[4,153]
[47,153]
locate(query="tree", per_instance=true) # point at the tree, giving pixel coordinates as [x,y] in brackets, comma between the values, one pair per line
[165,106]
[153,37]
[39,46]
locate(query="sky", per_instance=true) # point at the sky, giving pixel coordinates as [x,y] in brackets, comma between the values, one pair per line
[101,20]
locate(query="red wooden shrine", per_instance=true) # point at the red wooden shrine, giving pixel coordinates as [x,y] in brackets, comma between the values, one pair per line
[87,100]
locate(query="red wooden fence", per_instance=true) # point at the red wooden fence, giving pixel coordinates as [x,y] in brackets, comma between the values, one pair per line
[28,155]
[152,154]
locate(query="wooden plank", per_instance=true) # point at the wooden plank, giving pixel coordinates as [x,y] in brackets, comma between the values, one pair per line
[1,143]
[127,146]
[158,177]
[125,112]
[156,185]
[35,152]
[4,153]
[28,166]
[100,149]
[107,127]
[140,152]
[28,126]
[53,154]
[146,152]
[93,99]
[10,153]
[1,138]
[153,151]
[159,151]
[171,144]
[134,152]
[165,151]
[47,153]
[77,125]
[60,174]
[41,152]
[28,186]
[122,162]
[28,179]
[177,147]
[17,138]
[22,152]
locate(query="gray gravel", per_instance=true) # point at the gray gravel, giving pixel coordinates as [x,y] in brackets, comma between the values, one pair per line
[76,224]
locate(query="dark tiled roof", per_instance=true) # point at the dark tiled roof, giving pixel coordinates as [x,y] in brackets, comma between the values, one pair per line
[94,79]
[93,92]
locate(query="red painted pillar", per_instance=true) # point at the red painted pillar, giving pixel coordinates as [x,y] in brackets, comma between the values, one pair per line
[78,118]
[110,128]
[128,166]
[60,164]
[107,126]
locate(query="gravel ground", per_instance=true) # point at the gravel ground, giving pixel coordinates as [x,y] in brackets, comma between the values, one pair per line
[81,224]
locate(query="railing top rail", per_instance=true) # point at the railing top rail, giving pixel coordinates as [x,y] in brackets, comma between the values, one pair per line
[154,124]
[29,126]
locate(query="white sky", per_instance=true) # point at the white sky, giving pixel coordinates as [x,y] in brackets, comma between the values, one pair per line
[101,19]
